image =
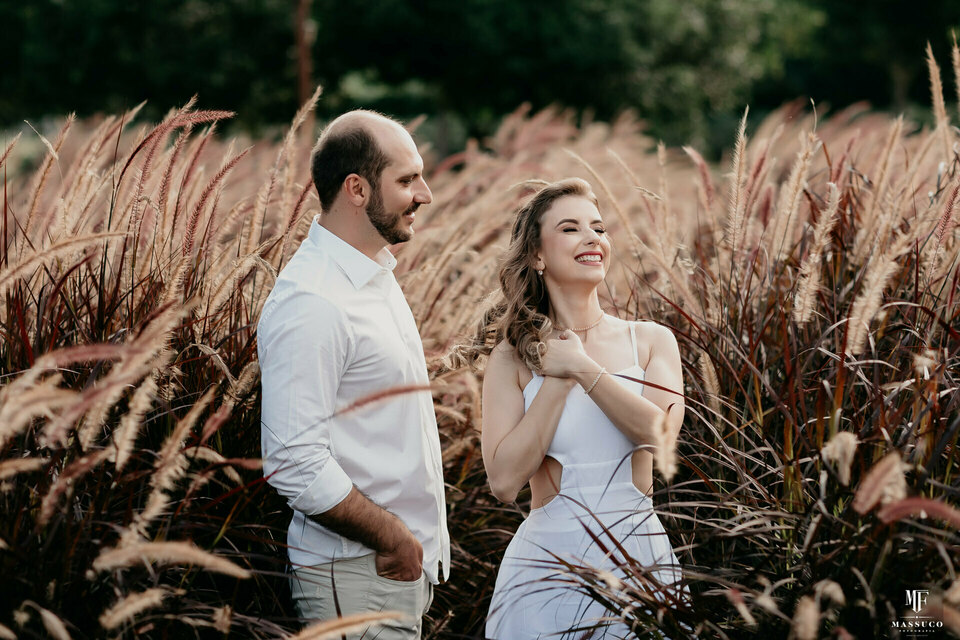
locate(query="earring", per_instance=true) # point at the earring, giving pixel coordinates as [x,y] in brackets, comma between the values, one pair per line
[540,272]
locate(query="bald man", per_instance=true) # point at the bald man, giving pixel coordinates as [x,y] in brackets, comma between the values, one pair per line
[369,530]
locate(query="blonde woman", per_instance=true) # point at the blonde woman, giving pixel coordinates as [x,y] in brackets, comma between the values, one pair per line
[565,410]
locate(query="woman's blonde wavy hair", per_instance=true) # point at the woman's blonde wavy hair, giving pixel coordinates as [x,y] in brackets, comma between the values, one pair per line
[520,313]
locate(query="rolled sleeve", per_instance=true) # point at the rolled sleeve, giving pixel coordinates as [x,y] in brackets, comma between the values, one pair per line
[304,346]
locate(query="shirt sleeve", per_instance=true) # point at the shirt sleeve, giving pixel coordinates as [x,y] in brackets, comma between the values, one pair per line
[304,347]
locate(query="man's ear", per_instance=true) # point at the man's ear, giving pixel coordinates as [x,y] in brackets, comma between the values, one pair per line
[356,189]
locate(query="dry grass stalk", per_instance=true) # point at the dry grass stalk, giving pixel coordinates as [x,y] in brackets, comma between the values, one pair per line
[706,182]
[933,256]
[879,274]
[787,213]
[21,404]
[939,104]
[736,599]
[360,622]
[126,434]
[168,467]
[830,590]
[179,553]
[840,451]
[46,256]
[6,152]
[53,624]
[255,229]
[883,482]
[808,282]
[806,619]
[12,467]
[67,480]
[865,235]
[665,455]
[132,605]
[209,455]
[711,382]
[44,171]
[6,633]
[920,507]
[222,618]
[736,210]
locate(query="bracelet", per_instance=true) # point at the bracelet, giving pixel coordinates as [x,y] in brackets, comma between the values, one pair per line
[602,371]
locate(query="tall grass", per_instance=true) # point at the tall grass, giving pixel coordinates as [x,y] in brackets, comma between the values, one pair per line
[812,283]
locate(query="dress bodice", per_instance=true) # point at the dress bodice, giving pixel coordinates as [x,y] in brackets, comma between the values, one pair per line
[584,433]
[592,450]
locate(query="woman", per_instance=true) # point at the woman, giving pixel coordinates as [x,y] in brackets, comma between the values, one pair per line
[565,409]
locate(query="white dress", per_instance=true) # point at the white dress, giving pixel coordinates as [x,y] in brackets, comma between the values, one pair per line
[531,599]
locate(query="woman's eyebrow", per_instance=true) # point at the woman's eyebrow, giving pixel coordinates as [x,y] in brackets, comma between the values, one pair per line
[566,220]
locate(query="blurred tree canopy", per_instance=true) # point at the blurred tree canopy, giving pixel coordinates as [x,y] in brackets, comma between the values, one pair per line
[686,66]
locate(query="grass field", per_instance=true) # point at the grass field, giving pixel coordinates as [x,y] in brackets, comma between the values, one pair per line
[812,282]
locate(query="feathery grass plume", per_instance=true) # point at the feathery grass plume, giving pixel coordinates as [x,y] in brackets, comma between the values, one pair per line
[939,104]
[665,455]
[126,434]
[883,483]
[736,212]
[711,382]
[67,480]
[736,599]
[280,166]
[932,256]
[52,623]
[194,219]
[840,451]
[865,234]
[125,610]
[808,282]
[177,553]
[222,618]
[168,467]
[21,404]
[829,590]
[787,214]
[45,256]
[706,182]
[806,619]
[6,152]
[43,174]
[15,466]
[921,507]
[6,633]
[880,272]
[209,455]
[227,286]
[338,627]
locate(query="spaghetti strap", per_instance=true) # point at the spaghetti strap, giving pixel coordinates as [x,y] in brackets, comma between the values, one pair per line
[633,342]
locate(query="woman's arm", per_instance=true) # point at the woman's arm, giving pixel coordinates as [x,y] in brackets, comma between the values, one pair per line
[637,415]
[514,442]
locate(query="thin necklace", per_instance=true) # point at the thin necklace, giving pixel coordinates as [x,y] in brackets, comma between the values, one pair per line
[582,329]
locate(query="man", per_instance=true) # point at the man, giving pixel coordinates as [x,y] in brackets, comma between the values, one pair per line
[365,484]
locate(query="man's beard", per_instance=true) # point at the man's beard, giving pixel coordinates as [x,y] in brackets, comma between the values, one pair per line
[388,225]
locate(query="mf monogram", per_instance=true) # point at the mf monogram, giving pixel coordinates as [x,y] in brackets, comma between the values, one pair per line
[916,599]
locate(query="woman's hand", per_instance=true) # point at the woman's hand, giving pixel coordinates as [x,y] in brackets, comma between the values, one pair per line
[564,355]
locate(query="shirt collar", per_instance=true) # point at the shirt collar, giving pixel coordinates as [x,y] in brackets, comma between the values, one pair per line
[358,267]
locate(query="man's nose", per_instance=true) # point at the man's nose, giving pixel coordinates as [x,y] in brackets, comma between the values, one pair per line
[424,195]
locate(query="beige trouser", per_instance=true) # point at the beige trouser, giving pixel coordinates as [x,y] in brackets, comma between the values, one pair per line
[359,590]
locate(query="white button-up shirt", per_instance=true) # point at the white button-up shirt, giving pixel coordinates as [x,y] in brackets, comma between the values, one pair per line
[336,329]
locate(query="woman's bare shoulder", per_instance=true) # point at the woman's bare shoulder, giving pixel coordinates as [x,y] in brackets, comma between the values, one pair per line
[505,360]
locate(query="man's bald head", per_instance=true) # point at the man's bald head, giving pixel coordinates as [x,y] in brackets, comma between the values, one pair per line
[349,145]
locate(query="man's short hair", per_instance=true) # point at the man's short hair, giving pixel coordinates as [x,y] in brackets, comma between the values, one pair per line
[341,151]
